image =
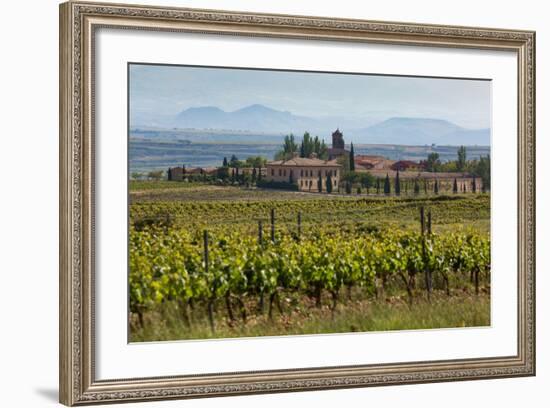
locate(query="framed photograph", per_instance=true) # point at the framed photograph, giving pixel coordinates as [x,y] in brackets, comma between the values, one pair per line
[256,203]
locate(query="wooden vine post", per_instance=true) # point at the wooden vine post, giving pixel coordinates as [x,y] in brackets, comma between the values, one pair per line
[211,300]
[423,231]
[272,225]
[299,225]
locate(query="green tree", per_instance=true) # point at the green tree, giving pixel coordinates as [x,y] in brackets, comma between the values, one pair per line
[329,183]
[307,146]
[155,175]
[223,172]
[234,162]
[302,150]
[320,183]
[455,186]
[482,169]
[348,187]
[255,161]
[225,163]
[436,187]
[397,184]
[367,181]
[474,187]
[387,185]
[323,150]
[290,177]
[351,159]
[461,161]
[310,145]
[289,148]
[433,163]
[416,187]
[136,175]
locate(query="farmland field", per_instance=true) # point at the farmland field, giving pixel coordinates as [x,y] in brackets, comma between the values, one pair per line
[212,261]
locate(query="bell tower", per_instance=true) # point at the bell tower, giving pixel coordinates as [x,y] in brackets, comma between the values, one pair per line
[338,139]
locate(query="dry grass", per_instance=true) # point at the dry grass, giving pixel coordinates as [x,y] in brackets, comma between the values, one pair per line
[302,317]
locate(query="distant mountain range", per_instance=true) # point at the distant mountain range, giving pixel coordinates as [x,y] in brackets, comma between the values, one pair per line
[262,119]
[421,131]
[252,118]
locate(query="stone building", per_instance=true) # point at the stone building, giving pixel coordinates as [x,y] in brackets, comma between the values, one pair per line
[305,173]
[338,146]
[408,165]
[180,173]
[369,162]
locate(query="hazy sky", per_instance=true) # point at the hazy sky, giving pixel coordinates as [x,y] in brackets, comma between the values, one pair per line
[167,90]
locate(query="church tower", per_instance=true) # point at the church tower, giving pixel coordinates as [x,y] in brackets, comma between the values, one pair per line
[337,139]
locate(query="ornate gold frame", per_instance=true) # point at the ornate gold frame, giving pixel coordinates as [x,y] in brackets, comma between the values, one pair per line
[78,22]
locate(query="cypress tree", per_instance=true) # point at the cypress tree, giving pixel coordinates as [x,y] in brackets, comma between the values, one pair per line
[348,187]
[329,184]
[436,187]
[169,174]
[290,178]
[320,183]
[474,187]
[397,184]
[225,163]
[416,187]
[387,186]
[351,159]
[455,186]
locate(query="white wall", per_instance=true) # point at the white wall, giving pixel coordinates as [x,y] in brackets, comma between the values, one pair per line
[28,216]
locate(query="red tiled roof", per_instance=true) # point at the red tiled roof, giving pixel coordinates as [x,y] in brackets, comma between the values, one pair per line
[304,161]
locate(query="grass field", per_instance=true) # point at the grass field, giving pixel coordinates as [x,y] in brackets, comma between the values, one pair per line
[392,313]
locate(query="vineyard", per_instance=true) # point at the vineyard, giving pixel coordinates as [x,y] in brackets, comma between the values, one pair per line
[214,268]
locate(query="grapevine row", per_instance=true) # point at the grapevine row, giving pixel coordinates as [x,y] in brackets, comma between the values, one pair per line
[196,267]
